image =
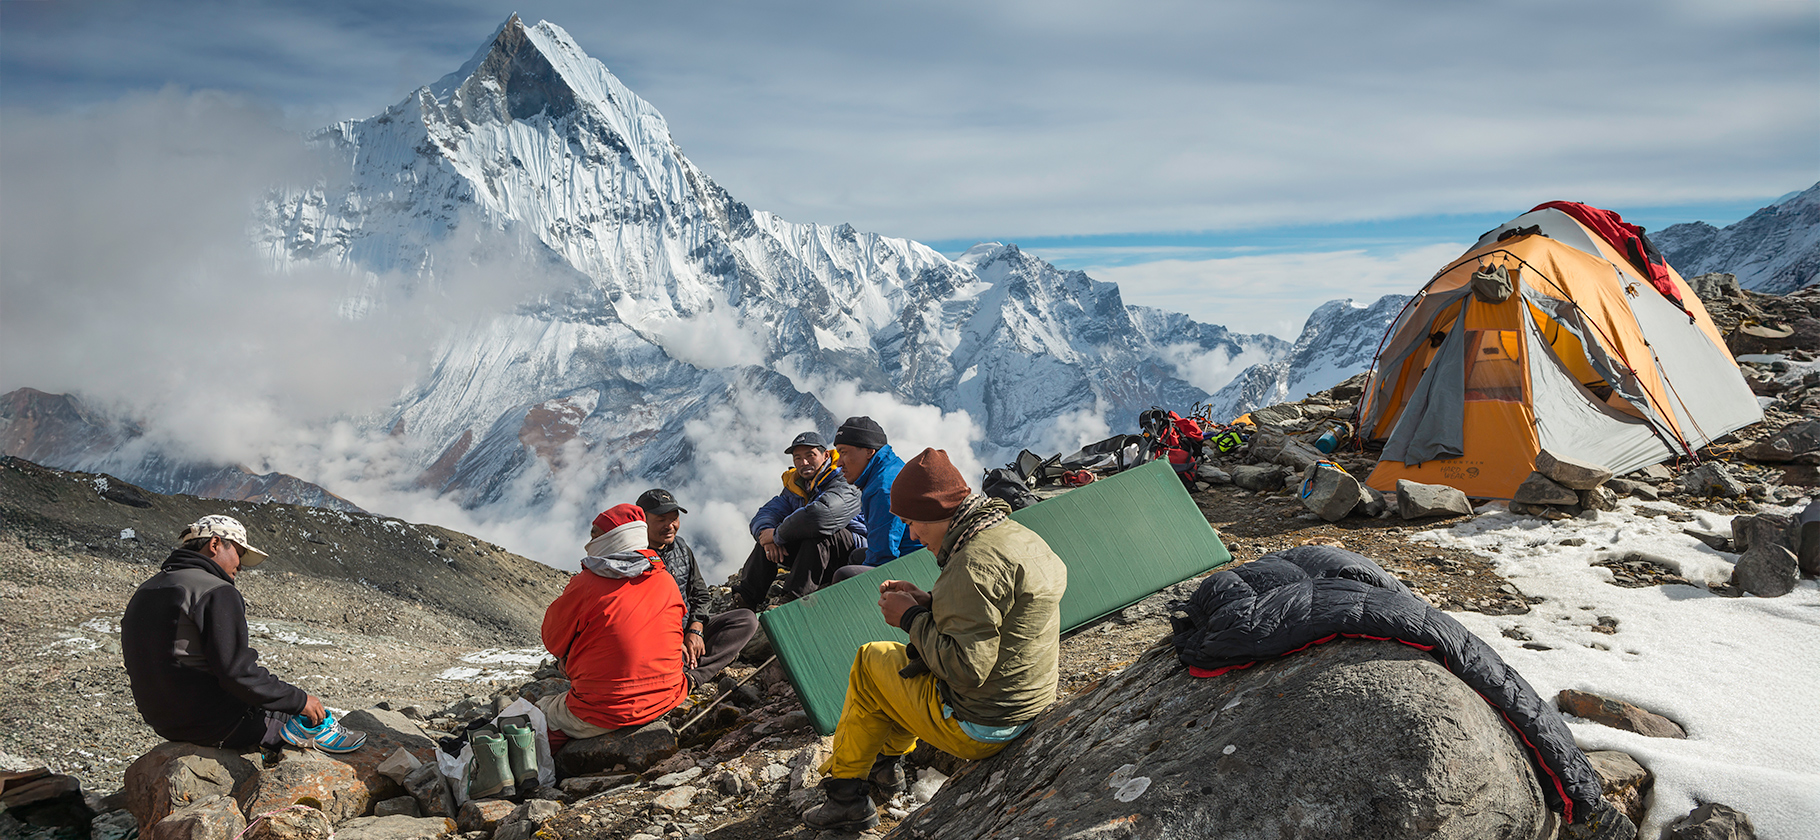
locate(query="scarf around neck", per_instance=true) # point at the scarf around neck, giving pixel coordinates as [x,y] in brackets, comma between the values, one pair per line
[975,515]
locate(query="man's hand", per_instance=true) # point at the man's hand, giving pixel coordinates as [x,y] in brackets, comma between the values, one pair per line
[313,710]
[895,597]
[767,539]
[693,646]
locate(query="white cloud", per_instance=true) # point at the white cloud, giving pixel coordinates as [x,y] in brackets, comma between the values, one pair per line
[1210,370]
[1271,293]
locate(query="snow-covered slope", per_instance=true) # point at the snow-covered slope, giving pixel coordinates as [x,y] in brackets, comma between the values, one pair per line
[1339,340]
[1775,250]
[658,300]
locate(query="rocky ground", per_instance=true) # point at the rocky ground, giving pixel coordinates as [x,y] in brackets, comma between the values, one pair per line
[364,610]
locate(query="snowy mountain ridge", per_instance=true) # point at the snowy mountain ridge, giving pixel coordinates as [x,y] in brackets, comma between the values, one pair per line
[1775,250]
[664,300]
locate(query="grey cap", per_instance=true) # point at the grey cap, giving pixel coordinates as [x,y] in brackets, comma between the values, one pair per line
[806,439]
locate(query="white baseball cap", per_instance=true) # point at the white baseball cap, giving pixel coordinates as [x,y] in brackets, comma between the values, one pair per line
[227,528]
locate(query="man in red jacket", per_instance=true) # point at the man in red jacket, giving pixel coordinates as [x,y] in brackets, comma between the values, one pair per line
[617,632]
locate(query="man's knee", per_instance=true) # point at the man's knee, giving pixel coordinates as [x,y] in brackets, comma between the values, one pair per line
[881,658]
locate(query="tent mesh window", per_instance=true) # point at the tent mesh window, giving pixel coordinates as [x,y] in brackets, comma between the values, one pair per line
[1494,370]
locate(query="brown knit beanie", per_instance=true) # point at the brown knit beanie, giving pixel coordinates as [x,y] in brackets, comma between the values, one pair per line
[928,488]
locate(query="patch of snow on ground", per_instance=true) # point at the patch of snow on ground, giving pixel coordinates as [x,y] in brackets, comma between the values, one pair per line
[1739,674]
[527,660]
[278,634]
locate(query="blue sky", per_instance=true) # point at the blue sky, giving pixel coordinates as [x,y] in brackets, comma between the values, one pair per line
[1239,161]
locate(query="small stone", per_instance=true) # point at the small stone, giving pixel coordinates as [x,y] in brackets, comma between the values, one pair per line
[676,799]
[1654,472]
[406,805]
[1617,714]
[678,778]
[583,786]
[483,814]
[1713,821]
[773,772]
[1598,498]
[1574,541]
[398,765]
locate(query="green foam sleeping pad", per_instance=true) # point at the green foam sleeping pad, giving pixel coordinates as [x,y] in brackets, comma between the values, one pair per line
[1124,538]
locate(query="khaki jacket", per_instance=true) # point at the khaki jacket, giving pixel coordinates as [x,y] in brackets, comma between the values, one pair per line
[994,631]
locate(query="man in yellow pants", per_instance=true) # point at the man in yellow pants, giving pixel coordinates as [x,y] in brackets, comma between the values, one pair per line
[983,645]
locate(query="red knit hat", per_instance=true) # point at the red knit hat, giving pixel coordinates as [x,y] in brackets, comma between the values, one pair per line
[622,527]
[928,488]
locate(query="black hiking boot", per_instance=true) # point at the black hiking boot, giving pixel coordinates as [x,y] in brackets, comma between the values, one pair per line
[887,776]
[848,807]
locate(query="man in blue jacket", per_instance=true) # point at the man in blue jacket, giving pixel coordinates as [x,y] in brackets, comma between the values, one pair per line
[811,528]
[866,460]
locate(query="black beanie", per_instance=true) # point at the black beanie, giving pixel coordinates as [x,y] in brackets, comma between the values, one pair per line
[861,432]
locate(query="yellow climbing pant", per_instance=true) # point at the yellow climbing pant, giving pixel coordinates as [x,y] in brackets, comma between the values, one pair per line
[886,713]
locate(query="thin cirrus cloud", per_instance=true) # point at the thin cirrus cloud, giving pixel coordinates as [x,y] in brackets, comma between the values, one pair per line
[995,121]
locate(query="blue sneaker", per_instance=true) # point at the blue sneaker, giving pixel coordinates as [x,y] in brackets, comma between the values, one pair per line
[327,736]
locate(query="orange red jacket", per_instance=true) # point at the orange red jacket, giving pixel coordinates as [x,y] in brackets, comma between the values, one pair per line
[620,641]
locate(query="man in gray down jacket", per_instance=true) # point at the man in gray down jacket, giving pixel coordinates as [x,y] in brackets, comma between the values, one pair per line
[810,529]
[710,642]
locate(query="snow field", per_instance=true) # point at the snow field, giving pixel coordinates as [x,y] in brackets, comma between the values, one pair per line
[1741,675]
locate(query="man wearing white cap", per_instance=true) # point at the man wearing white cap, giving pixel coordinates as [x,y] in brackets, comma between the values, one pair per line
[195,679]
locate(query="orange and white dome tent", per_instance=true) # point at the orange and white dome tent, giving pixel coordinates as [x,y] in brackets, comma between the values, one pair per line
[1547,335]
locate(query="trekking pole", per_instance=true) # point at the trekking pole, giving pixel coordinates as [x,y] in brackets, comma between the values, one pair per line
[724,695]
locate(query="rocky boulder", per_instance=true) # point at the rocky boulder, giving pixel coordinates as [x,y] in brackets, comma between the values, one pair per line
[1713,821]
[1258,479]
[1617,714]
[395,828]
[1625,783]
[174,775]
[1788,443]
[1416,500]
[1153,752]
[1570,472]
[1539,489]
[634,749]
[1712,479]
[214,817]
[1767,571]
[1331,493]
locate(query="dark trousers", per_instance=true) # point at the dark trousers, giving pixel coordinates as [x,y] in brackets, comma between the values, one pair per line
[259,728]
[724,635]
[811,564]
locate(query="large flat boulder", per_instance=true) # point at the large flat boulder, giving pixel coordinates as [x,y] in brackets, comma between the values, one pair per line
[633,748]
[175,775]
[1416,500]
[1571,472]
[1348,739]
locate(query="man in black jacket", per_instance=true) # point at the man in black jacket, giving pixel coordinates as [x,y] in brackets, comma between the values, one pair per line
[184,637]
[710,643]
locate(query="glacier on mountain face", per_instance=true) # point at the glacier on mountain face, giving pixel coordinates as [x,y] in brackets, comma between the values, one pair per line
[655,303]
[1775,250]
[1339,340]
